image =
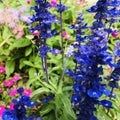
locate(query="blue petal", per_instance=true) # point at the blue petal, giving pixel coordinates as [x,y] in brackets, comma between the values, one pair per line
[31,104]
[9,115]
[94,93]
[76,98]
[106,103]
[39,118]
[93,118]
[105,91]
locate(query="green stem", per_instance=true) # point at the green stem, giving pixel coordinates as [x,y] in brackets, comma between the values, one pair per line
[64,67]
[5,41]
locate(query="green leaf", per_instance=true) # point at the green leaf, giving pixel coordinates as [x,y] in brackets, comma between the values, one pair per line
[21,43]
[49,116]
[67,88]
[28,63]
[32,72]
[29,82]
[46,85]
[46,109]
[10,66]
[67,107]
[63,106]
[40,91]
[22,64]
[6,33]
[28,50]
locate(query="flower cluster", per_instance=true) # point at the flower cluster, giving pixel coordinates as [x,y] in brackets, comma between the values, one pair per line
[11,17]
[44,19]
[10,82]
[17,110]
[8,88]
[91,53]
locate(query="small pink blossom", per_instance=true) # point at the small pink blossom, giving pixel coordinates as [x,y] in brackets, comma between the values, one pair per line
[2,109]
[5,83]
[16,78]
[82,0]
[12,106]
[67,37]
[115,34]
[36,32]
[53,3]
[27,92]
[78,3]
[2,69]
[64,33]
[10,83]
[28,1]
[0,90]
[13,92]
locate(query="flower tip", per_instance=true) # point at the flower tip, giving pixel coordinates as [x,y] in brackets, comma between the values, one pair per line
[115,34]
[36,32]
[53,3]
[28,1]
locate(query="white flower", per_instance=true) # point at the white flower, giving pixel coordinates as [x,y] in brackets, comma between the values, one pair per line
[69,51]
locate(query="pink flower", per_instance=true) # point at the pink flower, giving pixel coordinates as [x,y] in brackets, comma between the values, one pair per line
[64,33]
[10,83]
[82,0]
[0,90]
[78,3]
[67,37]
[2,69]
[12,106]
[115,34]
[27,92]
[36,32]
[16,78]
[2,109]
[28,1]
[53,3]
[5,83]
[13,92]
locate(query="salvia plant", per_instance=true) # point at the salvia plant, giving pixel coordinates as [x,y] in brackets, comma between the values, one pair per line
[91,54]
[43,29]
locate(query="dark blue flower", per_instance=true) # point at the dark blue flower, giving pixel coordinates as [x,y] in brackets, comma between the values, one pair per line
[60,7]
[20,90]
[76,98]
[9,115]
[94,93]
[106,103]
[43,19]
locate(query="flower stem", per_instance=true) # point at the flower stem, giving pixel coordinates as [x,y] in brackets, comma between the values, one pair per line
[64,67]
[62,40]
[45,64]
